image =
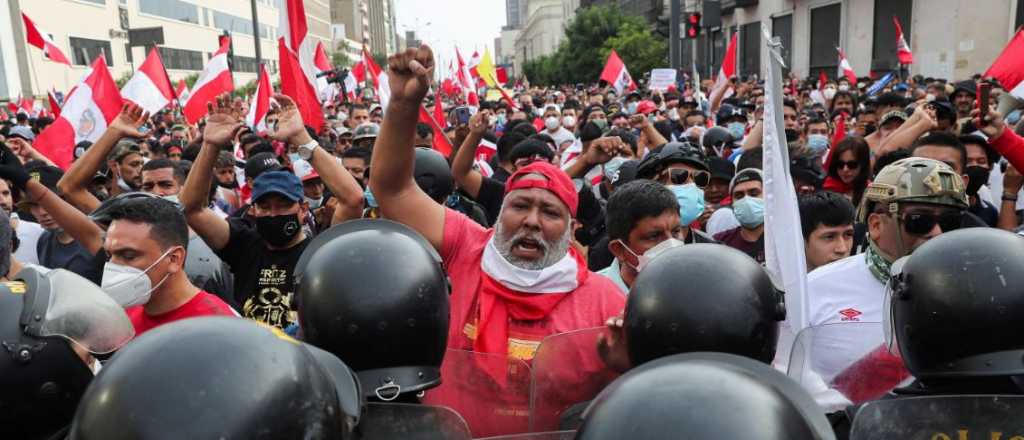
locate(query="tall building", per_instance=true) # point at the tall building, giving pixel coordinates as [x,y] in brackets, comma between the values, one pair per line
[542,31]
[350,20]
[515,13]
[83,29]
[383,28]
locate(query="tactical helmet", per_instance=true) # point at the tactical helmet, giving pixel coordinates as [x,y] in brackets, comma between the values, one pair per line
[717,138]
[219,377]
[956,302]
[673,152]
[433,175]
[703,297]
[374,293]
[41,376]
[704,396]
[366,130]
[914,180]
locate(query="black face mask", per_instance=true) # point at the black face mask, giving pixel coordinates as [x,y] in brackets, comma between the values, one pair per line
[278,230]
[792,135]
[978,176]
[232,185]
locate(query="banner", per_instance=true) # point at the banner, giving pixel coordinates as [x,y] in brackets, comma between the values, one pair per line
[661,79]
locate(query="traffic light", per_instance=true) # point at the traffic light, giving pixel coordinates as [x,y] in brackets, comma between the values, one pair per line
[692,25]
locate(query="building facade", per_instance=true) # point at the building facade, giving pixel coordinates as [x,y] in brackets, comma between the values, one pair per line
[515,13]
[383,28]
[543,31]
[83,29]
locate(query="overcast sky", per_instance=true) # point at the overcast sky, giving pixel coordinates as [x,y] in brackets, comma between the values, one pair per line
[470,24]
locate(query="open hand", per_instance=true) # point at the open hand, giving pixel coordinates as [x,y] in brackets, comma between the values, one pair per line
[222,122]
[127,123]
[410,73]
[289,126]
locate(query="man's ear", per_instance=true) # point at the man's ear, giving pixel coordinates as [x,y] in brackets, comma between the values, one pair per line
[874,222]
[619,251]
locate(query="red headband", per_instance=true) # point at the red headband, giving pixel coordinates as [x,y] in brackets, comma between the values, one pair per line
[556,181]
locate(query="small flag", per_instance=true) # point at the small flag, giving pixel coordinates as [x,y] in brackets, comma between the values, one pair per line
[616,74]
[295,85]
[728,69]
[845,69]
[1008,67]
[150,87]
[42,40]
[54,103]
[215,80]
[902,48]
[260,105]
[380,79]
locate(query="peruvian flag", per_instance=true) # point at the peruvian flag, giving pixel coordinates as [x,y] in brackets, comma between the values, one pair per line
[260,105]
[380,79]
[43,41]
[215,80]
[84,117]
[616,74]
[294,84]
[902,49]
[324,89]
[150,87]
[54,103]
[845,69]
[441,143]
[728,69]
[466,80]
[294,32]
[26,105]
[356,76]
[181,91]
[1008,67]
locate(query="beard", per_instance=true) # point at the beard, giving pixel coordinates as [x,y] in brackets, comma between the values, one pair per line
[553,251]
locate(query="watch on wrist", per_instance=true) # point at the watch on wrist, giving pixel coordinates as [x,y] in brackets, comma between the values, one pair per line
[306,150]
[1009,197]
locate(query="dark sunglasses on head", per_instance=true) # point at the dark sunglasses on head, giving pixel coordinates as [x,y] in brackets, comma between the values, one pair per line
[921,223]
[679,177]
[850,164]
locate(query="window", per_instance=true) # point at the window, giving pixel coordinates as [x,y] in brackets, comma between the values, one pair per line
[717,50]
[245,64]
[98,2]
[750,49]
[883,50]
[172,9]
[825,22]
[181,59]
[84,51]
[782,27]
[232,23]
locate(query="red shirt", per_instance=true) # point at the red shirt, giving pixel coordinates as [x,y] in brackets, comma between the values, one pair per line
[202,304]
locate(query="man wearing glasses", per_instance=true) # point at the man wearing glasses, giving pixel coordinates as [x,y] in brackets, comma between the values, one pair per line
[910,202]
[683,169]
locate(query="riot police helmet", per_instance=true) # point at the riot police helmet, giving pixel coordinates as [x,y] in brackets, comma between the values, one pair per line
[433,175]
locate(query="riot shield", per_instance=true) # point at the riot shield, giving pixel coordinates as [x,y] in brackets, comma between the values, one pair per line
[843,364]
[941,418]
[567,373]
[411,422]
[489,391]
[554,435]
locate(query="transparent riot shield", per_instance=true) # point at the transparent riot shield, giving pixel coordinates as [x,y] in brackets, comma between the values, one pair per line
[554,435]
[985,417]
[489,391]
[843,364]
[411,422]
[567,374]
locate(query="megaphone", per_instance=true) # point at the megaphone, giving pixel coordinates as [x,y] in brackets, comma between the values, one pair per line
[1008,103]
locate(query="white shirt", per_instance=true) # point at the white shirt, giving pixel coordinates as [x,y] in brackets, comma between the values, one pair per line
[841,292]
[28,236]
[723,219]
[561,136]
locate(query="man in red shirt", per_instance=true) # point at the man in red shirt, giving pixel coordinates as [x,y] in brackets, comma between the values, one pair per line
[511,285]
[145,272]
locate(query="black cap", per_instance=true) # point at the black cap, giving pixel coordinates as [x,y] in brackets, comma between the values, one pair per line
[721,168]
[260,163]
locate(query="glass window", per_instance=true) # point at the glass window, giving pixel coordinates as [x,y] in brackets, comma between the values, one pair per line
[173,9]
[232,23]
[245,64]
[84,51]
[181,59]
[825,22]
[750,49]
[782,27]
[98,2]
[883,50]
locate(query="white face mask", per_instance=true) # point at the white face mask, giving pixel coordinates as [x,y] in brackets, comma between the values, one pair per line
[569,121]
[643,260]
[130,286]
[551,122]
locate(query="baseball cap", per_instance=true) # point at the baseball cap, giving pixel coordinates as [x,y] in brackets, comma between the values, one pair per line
[555,181]
[721,168]
[894,114]
[260,163]
[282,183]
[645,107]
[745,176]
[304,170]
[21,131]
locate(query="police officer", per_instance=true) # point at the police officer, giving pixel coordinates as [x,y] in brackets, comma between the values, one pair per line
[51,323]
[704,396]
[219,377]
[374,293]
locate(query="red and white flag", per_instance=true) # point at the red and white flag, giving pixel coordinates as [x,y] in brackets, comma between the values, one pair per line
[42,40]
[84,117]
[294,85]
[845,69]
[181,91]
[294,32]
[466,81]
[260,105]
[355,78]
[440,141]
[325,90]
[26,105]
[616,74]
[380,79]
[1008,67]
[215,80]
[150,87]
[902,48]
[51,95]
[728,69]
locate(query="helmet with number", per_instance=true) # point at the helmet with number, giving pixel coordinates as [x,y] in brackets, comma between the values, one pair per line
[956,303]
[673,152]
[219,377]
[703,297]
[42,377]
[914,180]
[433,175]
[374,293]
[701,396]
[717,138]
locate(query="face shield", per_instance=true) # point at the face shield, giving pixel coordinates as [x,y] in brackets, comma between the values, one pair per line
[893,291]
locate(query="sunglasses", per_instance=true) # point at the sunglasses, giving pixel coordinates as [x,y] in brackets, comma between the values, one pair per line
[848,164]
[680,177]
[921,223]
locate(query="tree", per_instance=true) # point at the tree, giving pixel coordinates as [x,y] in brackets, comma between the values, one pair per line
[638,48]
[124,79]
[340,59]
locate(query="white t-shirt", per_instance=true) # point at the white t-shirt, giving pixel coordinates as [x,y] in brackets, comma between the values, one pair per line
[561,136]
[723,219]
[844,292]
[28,236]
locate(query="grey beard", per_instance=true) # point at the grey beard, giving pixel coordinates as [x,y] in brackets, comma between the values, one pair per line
[553,252]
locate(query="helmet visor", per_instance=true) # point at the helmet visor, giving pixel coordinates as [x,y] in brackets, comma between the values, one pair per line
[82,313]
[888,323]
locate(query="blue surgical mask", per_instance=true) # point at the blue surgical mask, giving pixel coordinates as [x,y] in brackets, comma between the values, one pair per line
[749,211]
[818,143]
[691,202]
[611,168]
[736,129]
[631,108]
[370,201]
[501,119]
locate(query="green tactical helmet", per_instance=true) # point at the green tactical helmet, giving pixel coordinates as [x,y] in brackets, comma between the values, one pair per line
[914,180]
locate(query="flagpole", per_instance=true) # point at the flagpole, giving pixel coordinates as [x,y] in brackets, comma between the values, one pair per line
[31,67]
[256,37]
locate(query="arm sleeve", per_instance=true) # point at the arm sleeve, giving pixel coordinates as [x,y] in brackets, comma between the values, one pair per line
[1011,146]
[238,242]
[459,231]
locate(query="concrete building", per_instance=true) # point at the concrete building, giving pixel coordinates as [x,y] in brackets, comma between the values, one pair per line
[515,13]
[85,28]
[505,51]
[383,28]
[354,17]
[543,31]
[951,39]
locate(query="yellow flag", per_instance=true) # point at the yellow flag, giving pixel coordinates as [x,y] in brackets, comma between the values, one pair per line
[486,69]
